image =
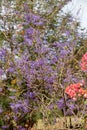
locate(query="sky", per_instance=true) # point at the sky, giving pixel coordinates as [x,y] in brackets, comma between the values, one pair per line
[78,8]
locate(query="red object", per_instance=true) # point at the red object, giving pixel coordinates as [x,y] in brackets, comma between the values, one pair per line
[84,62]
[76,90]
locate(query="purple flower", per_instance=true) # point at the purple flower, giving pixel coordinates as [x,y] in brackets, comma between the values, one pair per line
[1,72]
[5,127]
[41,61]
[16,105]
[12,97]
[2,52]
[10,70]
[51,106]
[39,23]
[64,52]
[61,103]
[72,107]
[35,18]
[31,95]
[27,18]
[21,128]
[28,41]
[67,33]
[69,112]
[29,32]
[21,105]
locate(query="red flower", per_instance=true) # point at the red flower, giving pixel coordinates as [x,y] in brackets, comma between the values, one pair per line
[84,62]
[75,89]
[81,91]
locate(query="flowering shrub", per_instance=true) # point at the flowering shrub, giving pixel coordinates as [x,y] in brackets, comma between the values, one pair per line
[36,65]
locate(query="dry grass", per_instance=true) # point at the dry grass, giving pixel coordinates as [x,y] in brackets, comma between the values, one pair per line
[59,125]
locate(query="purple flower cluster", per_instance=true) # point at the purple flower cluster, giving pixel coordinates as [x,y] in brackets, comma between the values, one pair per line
[38,71]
